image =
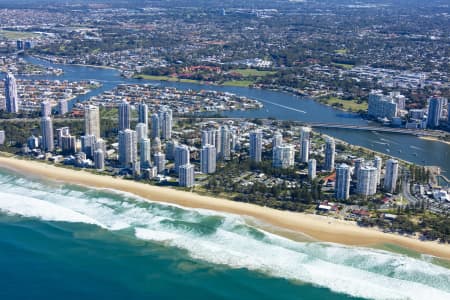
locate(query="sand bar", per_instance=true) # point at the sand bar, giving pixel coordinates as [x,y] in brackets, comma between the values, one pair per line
[318,227]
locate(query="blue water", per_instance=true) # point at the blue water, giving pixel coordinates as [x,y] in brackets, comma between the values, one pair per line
[61,241]
[283,106]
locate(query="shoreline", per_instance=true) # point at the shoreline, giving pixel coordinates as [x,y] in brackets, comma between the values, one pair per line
[434,139]
[318,227]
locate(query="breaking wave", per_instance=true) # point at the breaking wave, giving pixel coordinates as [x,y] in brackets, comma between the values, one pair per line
[227,239]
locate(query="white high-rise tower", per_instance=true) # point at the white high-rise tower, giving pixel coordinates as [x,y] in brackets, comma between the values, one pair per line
[390,179]
[256,146]
[92,121]
[47,144]
[11,98]
[124,115]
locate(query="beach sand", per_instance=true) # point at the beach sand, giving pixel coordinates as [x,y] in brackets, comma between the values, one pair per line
[434,139]
[318,227]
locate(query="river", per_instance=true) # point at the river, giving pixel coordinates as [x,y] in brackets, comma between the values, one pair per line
[282,106]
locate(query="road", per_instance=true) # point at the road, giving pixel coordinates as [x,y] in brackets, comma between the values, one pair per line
[406,191]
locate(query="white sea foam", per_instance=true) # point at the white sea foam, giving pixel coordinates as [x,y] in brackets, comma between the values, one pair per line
[226,239]
[242,252]
[31,207]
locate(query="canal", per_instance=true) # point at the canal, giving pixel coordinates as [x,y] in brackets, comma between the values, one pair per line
[282,106]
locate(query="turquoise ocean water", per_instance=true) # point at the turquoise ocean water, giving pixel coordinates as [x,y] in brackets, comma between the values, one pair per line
[61,241]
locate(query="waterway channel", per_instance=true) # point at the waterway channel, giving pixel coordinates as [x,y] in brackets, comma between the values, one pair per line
[282,106]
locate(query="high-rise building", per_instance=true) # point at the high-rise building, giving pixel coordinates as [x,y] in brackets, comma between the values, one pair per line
[124,115]
[159,161]
[256,146]
[99,159]
[225,143]
[101,144]
[209,137]
[46,108]
[156,128]
[143,113]
[417,114]
[92,121]
[367,181]
[330,152]
[182,156]
[342,186]
[63,107]
[165,118]
[377,163]
[47,144]
[60,133]
[208,159]
[68,144]
[156,145]
[448,113]
[312,167]
[434,112]
[304,151]
[359,162]
[218,142]
[170,149]
[11,97]
[304,144]
[141,131]
[127,147]
[381,106]
[19,45]
[235,144]
[391,176]
[283,156]
[88,145]
[136,167]
[145,153]
[277,140]
[33,142]
[187,175]
[305,133]
[399,99]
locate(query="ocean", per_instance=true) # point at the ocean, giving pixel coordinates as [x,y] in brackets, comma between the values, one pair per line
[61,241]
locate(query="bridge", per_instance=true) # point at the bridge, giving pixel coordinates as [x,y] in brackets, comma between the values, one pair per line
[417,132]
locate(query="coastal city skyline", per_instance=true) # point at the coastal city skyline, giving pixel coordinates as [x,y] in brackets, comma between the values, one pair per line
[225,150]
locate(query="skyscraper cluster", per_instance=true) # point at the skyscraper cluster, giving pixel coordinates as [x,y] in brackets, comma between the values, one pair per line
[367,176]
[136,152]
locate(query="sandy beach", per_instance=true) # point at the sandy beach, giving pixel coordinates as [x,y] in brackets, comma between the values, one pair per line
[318,227]
[434,139]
